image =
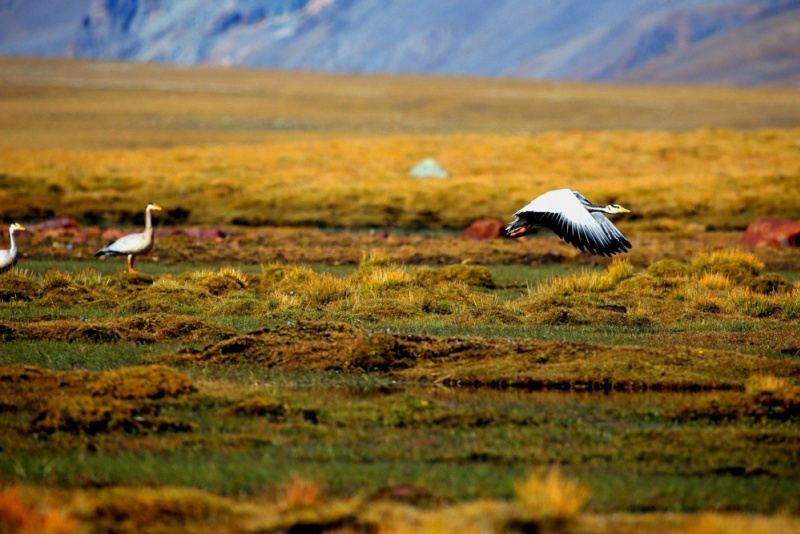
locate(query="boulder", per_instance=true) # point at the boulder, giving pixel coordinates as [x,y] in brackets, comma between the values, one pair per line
[776,232]
[428,168]
[484,229]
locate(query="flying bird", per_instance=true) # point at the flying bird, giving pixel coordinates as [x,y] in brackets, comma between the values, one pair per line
[133,245]
[574,219]
[8,258]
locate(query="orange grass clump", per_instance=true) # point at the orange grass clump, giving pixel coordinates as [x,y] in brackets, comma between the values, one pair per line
[550,495]
[18,517]
[300,493]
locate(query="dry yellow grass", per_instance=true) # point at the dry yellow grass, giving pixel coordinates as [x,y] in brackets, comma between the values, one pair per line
[719,179]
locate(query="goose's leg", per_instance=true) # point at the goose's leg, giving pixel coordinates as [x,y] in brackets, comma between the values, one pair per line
[130,264]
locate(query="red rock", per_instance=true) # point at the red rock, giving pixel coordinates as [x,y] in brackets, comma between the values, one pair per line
[776,232]
[484,229]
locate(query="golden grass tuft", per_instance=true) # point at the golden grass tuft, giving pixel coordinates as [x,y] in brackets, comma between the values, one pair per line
[589,282]
[143,382]
[226,280]
[378,280]
[715,281]
[284,277]
[55,279]
[548,494]
[735,264]
[374,258]
[322,290]
[667,269]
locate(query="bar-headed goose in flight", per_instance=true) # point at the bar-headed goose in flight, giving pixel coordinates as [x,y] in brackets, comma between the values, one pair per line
[573,218]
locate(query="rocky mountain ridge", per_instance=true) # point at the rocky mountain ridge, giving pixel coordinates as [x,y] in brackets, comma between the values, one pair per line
[744,42]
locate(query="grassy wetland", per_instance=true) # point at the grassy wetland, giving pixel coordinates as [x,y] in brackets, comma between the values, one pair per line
[313,346]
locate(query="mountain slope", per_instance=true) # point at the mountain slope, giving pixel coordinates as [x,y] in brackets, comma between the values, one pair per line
[40,28]
[762,52]
[618,40]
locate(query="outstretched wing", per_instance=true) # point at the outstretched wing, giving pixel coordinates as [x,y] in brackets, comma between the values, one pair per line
[565,214]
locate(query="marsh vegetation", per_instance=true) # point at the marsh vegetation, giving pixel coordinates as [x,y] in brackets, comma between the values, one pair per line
[337,358]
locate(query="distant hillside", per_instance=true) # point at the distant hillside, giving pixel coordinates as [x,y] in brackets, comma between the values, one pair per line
[746,42]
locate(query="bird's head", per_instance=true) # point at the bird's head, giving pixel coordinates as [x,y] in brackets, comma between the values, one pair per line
[16,227]
[153,207]
[616,208]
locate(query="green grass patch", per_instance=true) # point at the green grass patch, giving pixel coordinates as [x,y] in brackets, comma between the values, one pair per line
[455,445]
[66,356]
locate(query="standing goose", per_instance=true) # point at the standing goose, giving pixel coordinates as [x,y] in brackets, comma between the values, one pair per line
[8,258]
[573,218]
[133,244]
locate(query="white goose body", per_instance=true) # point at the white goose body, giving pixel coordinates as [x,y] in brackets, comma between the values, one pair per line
[133,245]
[8,258]
[573,218]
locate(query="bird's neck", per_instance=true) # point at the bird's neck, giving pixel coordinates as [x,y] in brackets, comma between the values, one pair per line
[13,247]
[148,221]
[593,208]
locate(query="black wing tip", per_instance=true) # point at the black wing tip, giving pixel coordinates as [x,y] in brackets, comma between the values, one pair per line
[615,247]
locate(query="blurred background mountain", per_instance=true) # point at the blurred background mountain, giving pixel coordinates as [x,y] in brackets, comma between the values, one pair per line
[741,42]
